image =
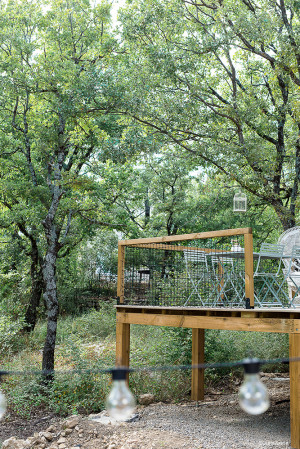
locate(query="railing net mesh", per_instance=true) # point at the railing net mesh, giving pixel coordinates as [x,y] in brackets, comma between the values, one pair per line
[194,273]
[197,273]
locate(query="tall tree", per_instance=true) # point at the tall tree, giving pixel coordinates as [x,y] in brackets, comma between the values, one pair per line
[54,60]
[220,79]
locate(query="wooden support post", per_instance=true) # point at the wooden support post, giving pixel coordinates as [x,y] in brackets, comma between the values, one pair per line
[121,269]
[122,344]
[197,358]
[295,391]
[221,279]
[249,282]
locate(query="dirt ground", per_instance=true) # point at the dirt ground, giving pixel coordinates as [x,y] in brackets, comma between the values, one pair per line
[216,423]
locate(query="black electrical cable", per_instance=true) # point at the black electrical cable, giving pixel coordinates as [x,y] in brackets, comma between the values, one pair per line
[150,368]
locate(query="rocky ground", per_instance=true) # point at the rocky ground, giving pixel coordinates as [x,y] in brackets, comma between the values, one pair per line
[216,423]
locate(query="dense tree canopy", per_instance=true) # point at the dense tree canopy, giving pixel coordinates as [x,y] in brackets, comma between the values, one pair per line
[220,79]
[147,130]
[54,62]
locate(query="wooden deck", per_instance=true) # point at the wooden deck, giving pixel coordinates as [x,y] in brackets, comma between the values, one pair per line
[199,319]
[282,320]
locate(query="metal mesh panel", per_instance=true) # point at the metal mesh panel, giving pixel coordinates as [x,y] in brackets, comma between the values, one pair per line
[202,273]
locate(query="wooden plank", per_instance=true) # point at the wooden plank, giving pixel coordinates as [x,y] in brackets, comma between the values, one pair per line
[198,235]
[121,269]
[222,311]
[221,280]
[249,281]
[280,325]
[249,314]
[295,391]
[197,391]
[168,247]
[122,344]
[296,324]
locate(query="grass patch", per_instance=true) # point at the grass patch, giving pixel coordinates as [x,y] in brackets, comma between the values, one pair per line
[87,342]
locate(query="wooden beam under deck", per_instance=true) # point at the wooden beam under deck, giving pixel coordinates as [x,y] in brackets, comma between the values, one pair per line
[257,320]
[199,319]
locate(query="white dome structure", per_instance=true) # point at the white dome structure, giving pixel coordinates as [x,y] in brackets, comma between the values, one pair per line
[291,238]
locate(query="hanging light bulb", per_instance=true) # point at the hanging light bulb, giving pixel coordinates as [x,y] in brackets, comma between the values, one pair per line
[253,395]
[2,405]
[120,402]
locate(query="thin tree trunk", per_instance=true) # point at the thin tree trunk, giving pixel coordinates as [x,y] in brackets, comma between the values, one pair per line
[34,302]
[36,289]
[50,296]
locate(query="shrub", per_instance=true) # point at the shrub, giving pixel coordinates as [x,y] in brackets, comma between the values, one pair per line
[9,334]
[223,346]
[91,325]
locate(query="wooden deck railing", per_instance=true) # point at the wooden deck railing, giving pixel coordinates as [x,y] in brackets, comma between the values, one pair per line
[183,243]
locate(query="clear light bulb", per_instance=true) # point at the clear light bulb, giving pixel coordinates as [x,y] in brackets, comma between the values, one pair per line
[2,405]
[253,395]
[120,402]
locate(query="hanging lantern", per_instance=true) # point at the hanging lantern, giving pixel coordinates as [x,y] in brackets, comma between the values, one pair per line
[240,202]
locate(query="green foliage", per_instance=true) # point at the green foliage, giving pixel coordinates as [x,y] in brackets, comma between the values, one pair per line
[25,396]
[89,326]
[224,346]
[200,80]
[10,334]
[80,348]
[83,393]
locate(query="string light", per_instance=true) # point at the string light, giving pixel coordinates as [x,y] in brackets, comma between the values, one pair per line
[120,402]
[2,405]
[253,395]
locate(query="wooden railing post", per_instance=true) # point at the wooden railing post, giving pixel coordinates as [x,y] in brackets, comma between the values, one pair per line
[122,344]
[121,274]
[295,390]
[249,281]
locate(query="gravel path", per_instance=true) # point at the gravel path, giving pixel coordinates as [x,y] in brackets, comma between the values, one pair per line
[220,426]
[219,423]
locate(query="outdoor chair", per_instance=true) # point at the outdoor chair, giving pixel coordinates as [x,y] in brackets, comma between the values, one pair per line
[229,282]
[198,273]
[268,272]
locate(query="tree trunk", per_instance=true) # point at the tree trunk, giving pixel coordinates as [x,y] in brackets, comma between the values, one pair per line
[286,216]
[50,296]
[52,232]
[36,289]
[49,278]
[34,302]
[147,209]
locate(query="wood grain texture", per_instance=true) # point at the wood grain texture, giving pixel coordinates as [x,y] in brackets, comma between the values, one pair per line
[197,391]
[295,391]
[121,269]
[122,344]
[280,325]
[216,311]
[249,281]
[182,237]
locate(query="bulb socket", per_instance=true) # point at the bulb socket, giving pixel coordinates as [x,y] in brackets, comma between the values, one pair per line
[251,366]
[119,373]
